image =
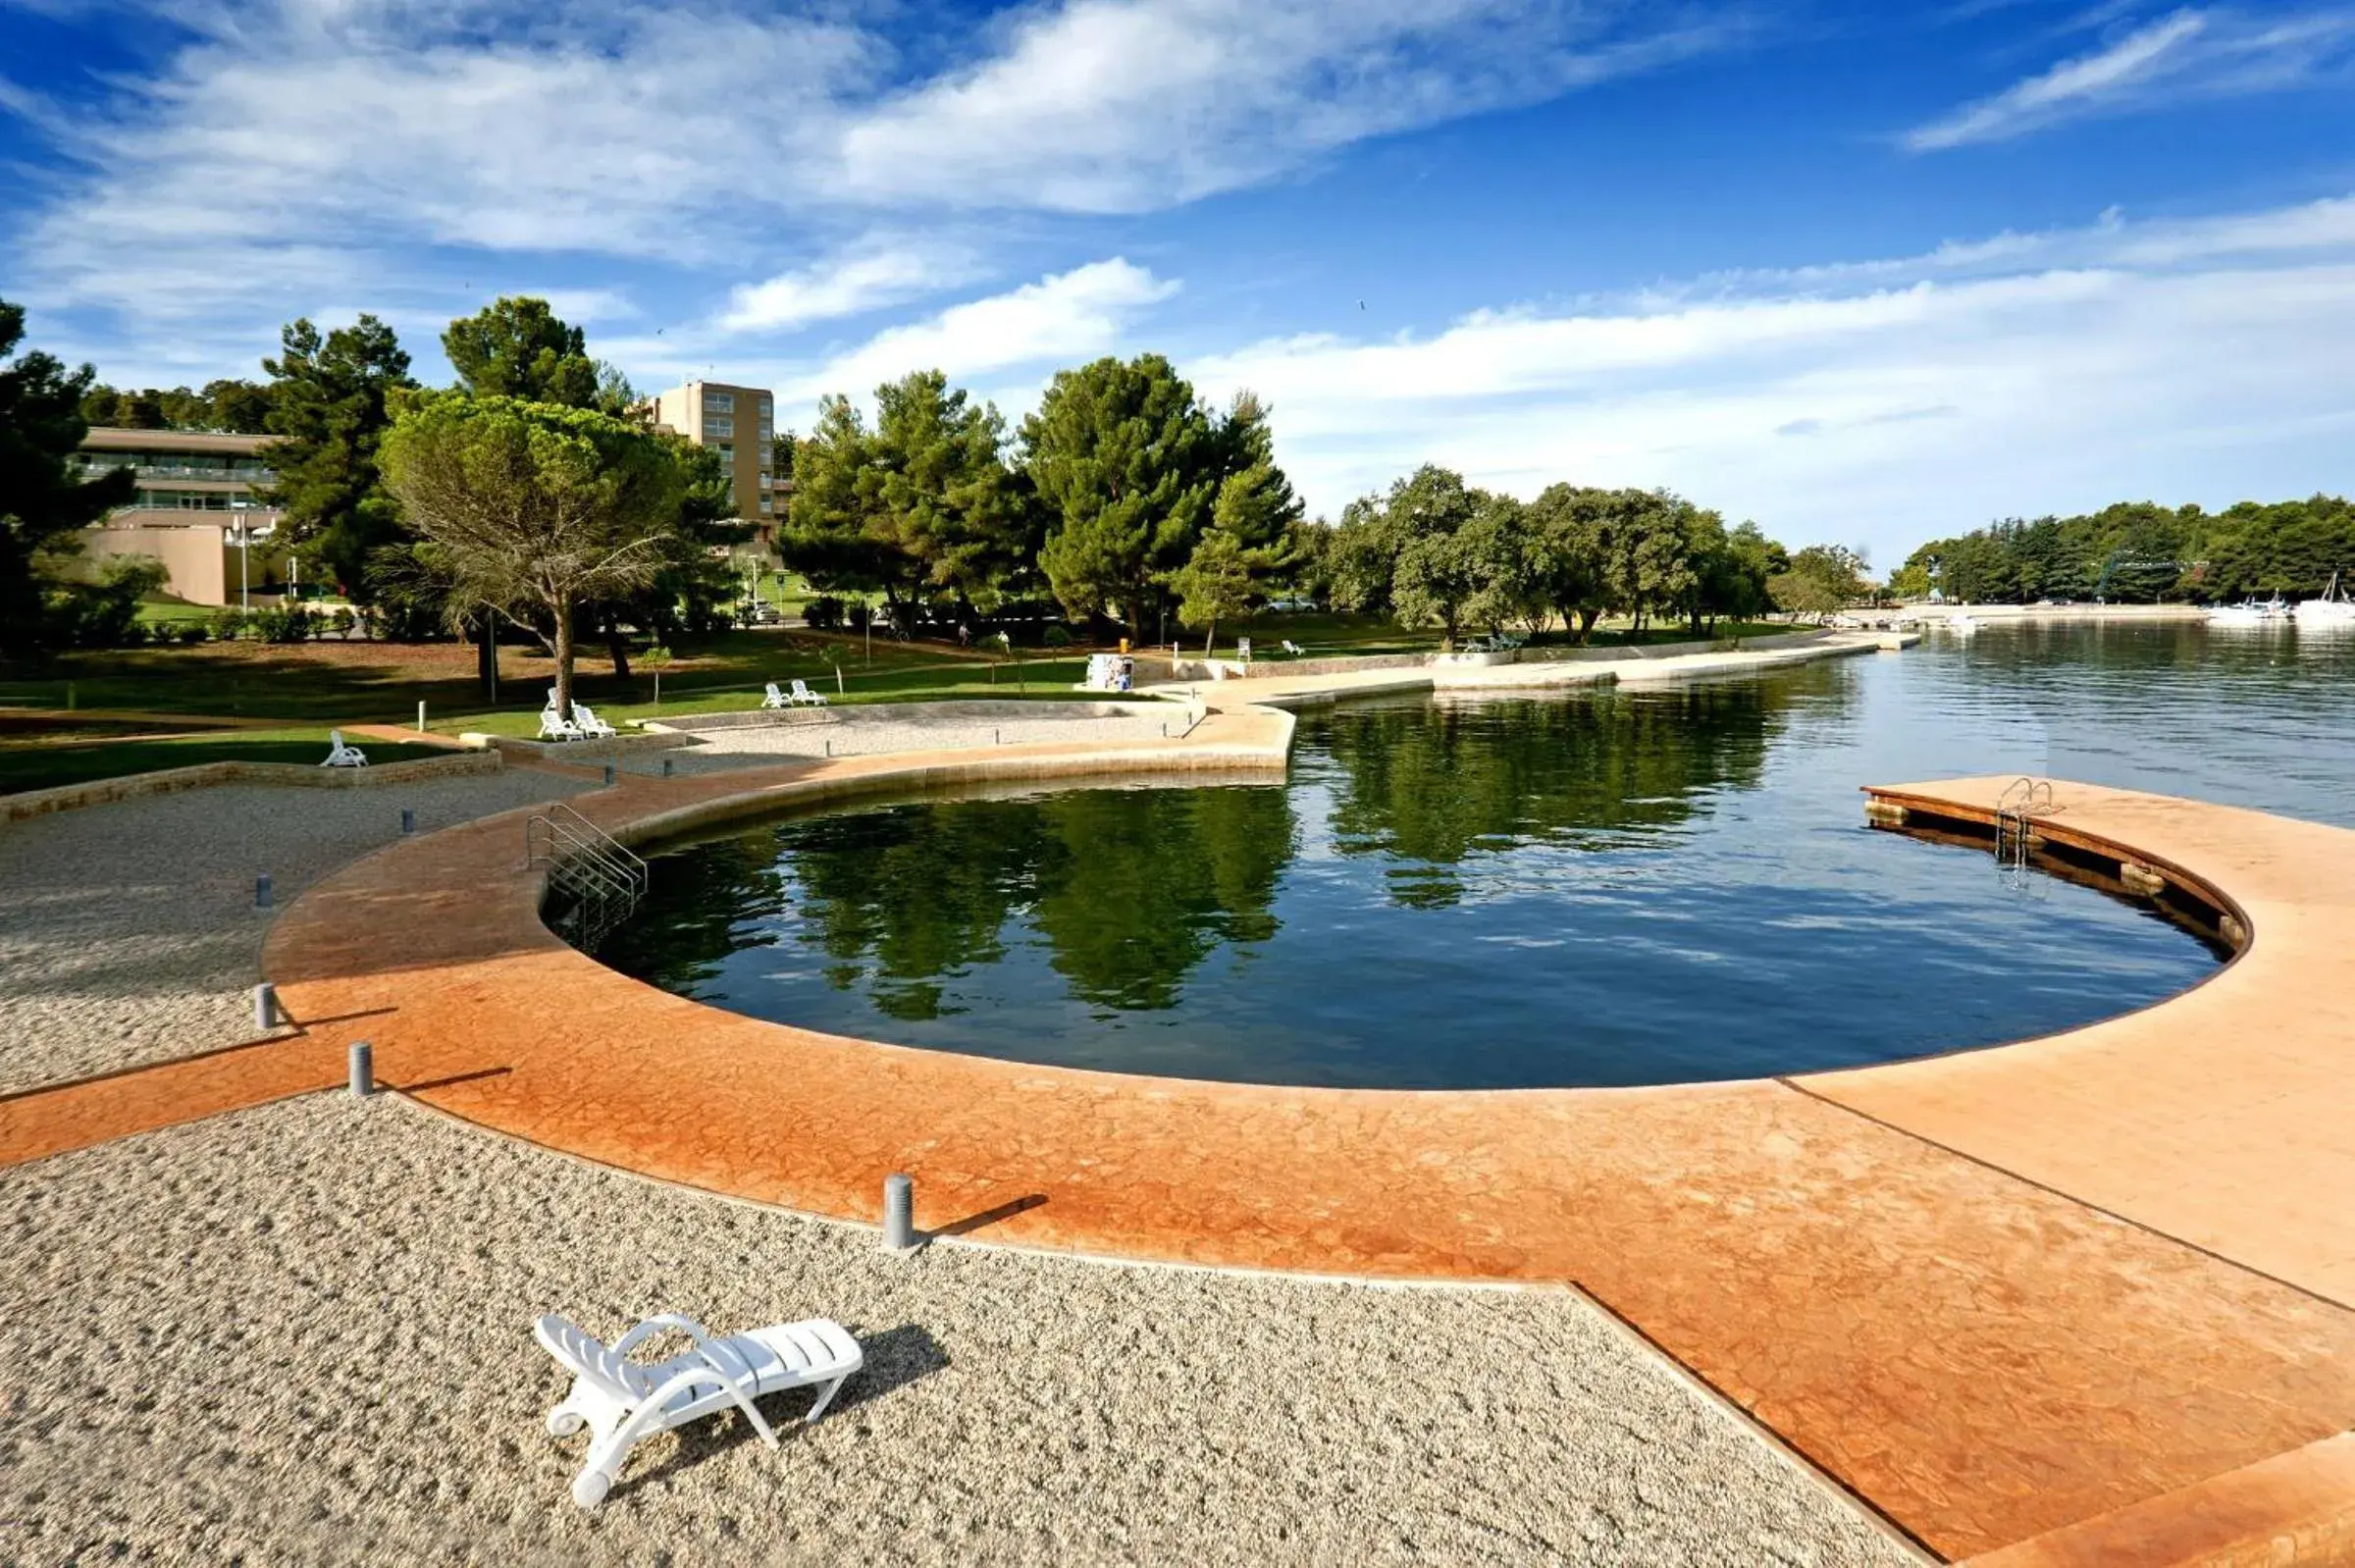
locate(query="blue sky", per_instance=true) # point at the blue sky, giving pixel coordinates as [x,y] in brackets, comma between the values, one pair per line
[1863,272]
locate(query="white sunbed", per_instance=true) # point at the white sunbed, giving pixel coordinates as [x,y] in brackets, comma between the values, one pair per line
[554,726]
[804,695]
[339,755]
[775,697]
[1292,648]
[622,1401]
[591,727]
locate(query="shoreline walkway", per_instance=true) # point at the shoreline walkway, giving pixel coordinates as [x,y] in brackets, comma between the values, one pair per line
[2082,1299]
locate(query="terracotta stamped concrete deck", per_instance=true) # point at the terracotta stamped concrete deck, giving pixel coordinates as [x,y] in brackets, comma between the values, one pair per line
[1989,1357]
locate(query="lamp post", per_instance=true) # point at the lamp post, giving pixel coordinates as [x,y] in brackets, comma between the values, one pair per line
[243,529]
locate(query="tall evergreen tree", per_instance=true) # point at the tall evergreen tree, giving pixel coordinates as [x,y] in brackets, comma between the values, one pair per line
[331,403]
[44,501]
[518,348]
[1129,463]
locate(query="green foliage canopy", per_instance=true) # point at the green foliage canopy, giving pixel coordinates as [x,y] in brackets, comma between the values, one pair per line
[332,399]
[536,509]
[45,503]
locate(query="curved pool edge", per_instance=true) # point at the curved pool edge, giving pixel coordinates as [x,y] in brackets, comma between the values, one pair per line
[2216,1115]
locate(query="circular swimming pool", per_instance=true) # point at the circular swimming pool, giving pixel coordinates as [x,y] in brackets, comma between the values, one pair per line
[1619,887]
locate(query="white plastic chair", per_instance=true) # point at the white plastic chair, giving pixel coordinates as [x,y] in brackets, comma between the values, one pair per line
[1293,648]
[775,697]
[802,693]
[590,726]
[623,1402]
[339,755]
[554,726]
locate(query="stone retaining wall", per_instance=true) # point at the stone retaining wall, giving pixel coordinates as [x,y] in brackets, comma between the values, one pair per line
[204,775]
[1202,670]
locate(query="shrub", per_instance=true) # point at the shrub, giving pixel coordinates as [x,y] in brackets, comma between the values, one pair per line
[1057,635]
[288,623]
[824,613]
[344,620]
[227,624]
[858,616]
[188,633]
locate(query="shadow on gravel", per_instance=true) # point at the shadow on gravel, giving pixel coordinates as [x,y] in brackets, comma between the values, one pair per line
[895,1358]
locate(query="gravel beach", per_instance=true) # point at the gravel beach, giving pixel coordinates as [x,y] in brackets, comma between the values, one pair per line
[867,732]
[127,931]
[300,1333]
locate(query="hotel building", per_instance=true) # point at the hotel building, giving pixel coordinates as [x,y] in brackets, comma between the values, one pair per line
[193,510]
[740,424]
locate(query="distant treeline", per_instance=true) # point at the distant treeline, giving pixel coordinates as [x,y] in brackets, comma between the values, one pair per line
[2138,553]
[238,406]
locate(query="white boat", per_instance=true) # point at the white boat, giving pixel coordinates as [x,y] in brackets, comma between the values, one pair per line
[1960,625]
[2334,608]
[2249,612]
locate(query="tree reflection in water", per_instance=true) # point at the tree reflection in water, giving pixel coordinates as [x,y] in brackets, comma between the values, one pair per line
[1624,886]
[1431,786]
[1129,890]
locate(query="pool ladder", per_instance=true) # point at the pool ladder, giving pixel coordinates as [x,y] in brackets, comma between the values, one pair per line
[2015,811]
[598,878]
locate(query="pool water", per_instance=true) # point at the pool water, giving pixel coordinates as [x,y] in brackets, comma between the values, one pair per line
[1626,886]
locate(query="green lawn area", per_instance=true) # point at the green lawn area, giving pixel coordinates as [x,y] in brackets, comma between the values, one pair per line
[309,686]
[1035,679]
[165,611]
[333,682]
[37,764]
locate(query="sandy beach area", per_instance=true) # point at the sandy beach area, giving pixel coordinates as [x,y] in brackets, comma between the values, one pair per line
[300,1333]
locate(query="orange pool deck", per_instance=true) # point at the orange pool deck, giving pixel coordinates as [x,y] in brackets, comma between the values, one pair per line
[2080,1300]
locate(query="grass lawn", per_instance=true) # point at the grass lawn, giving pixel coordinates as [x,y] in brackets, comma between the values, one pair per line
[165,610]
[42,763]
[336,682]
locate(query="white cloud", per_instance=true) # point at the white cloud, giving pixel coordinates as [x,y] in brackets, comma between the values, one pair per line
[2189,361]
[1069,316]
[848,285]
[290,149]
[2186,55]
[1124,105]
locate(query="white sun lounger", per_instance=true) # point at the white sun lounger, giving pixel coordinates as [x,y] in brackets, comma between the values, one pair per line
[554,726]
[621,1401]
[775,697]
[339,755]
[592,727]
[804,695]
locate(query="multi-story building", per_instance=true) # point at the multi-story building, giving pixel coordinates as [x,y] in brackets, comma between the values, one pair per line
[740,424]
[194,510]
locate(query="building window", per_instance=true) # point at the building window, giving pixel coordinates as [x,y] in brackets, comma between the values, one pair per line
[764,504]
[718,429]
[719,402]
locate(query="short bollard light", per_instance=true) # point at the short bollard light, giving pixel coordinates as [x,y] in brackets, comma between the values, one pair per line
[666,767]
[608,772]
[899,1213]
[265,1006]
[363,1070]
[261,891]
[408,819]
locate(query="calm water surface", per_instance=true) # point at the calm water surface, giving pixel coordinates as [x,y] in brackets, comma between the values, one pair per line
[1620,887]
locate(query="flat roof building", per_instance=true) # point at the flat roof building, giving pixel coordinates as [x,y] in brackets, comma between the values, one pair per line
[740,424]
[193,510]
